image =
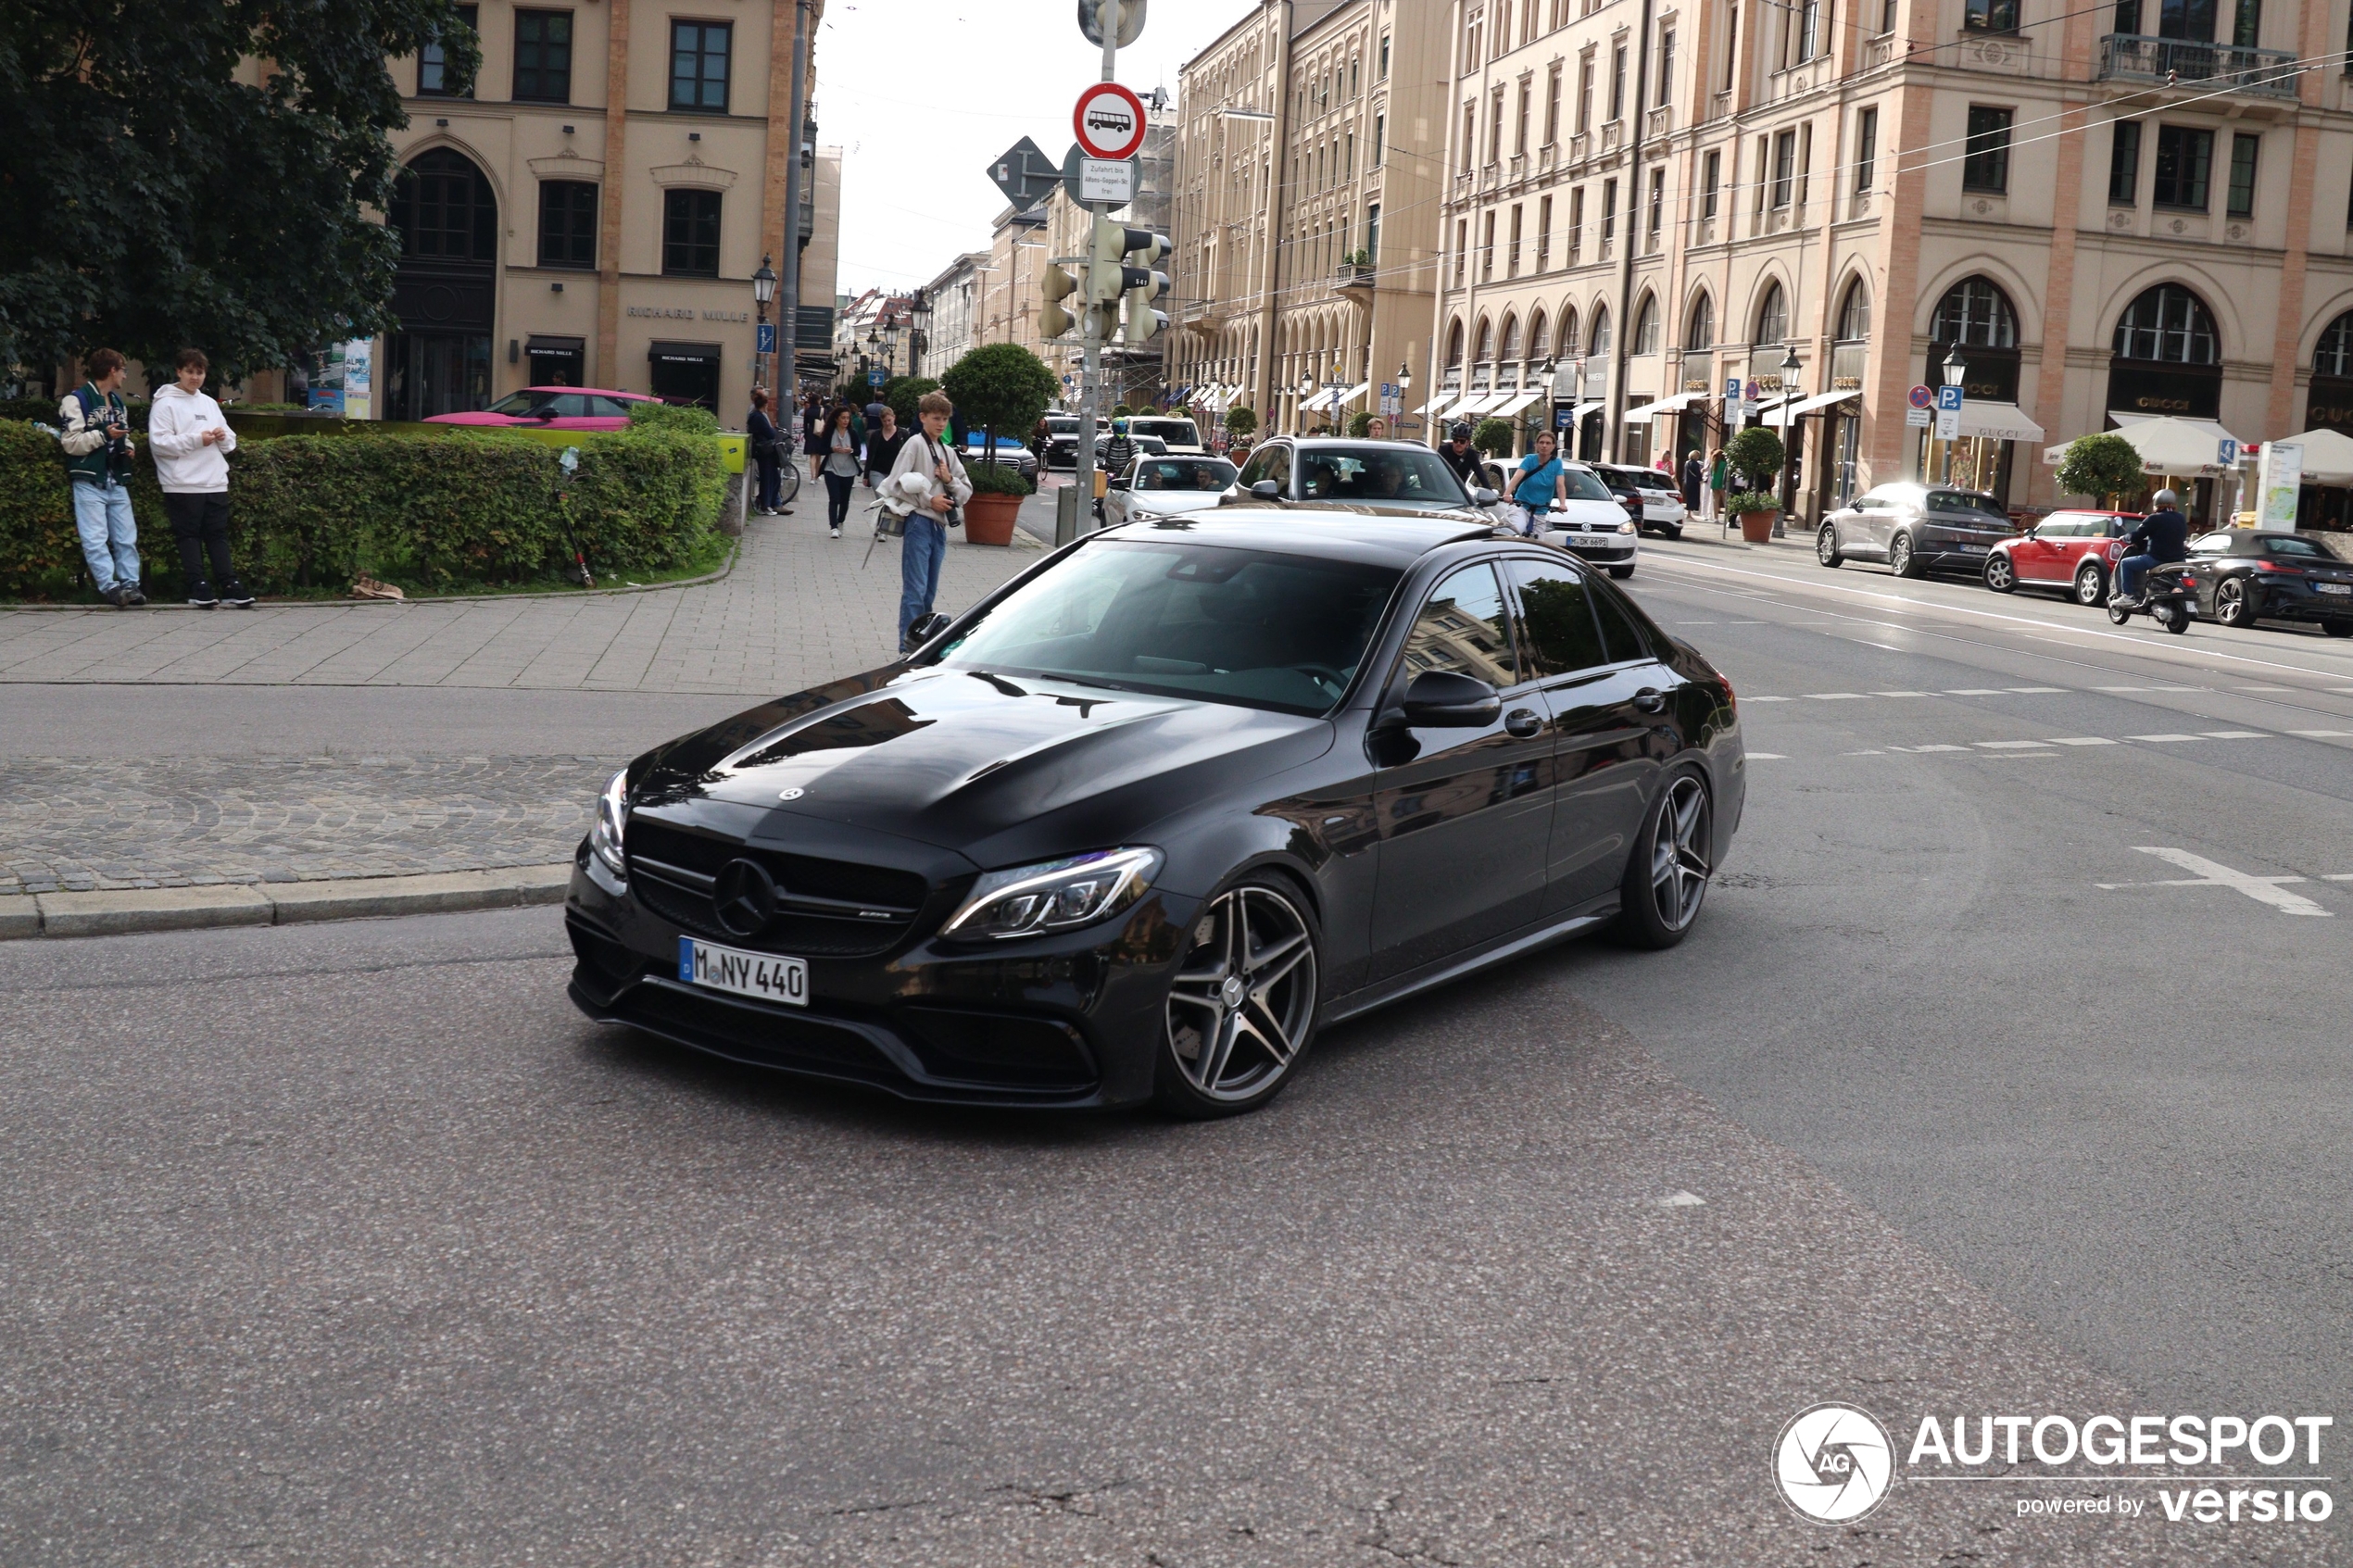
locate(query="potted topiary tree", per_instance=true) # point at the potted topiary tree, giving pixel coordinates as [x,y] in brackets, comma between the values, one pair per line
[1756,454]
[999,386]
[2104,467]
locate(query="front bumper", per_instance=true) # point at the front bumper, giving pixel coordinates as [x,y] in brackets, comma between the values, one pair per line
[1619,549]
[1068,1022]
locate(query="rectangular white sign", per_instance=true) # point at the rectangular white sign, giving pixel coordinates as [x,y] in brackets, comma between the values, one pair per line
[1921,418]
[1103,180]
[2282,485]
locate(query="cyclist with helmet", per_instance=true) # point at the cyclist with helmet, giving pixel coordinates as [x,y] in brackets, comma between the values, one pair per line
[1462,458]
[2162,538]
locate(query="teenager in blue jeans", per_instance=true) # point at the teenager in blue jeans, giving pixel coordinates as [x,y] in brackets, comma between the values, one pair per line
[98,448]
[927,452]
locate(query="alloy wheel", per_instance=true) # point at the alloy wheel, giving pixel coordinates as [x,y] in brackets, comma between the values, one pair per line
[1244,997]
[1679,863]
[2000,573]
[1899,555]
[1826,547]
[2233,606]
[2088,587]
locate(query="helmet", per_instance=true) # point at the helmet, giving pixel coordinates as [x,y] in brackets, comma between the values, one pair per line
[2166,499]
[1460,432]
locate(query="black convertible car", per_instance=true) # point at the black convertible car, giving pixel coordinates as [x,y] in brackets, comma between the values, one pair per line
[1139,823]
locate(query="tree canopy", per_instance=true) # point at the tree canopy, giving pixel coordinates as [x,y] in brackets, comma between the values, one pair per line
[2100,466]
[1000,386]
[201,174]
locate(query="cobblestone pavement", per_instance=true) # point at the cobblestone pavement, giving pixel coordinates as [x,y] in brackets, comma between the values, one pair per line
[74,824]
[798,608]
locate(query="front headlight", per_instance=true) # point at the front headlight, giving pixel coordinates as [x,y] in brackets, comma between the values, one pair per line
[1055,895]
[612,821]
[1628,527]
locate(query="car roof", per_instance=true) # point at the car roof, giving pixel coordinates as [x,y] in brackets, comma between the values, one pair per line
[597,392]
[1334,533]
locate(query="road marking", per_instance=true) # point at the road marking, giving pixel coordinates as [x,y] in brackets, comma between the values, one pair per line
[2036,688]
[2160,738]
[1861,753]
[2081,740]
[2012,745]
[2338,876]
[2120,688]
[2212,874]
[1683,1200]
[1767,699]
[1836,696]
[1928,748]
[1903,693]
[1767,757]
[1977,691]
[2264,688]
[2323,735]
[2236,734]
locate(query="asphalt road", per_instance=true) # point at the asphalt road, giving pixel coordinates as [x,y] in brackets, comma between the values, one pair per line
[355,1245]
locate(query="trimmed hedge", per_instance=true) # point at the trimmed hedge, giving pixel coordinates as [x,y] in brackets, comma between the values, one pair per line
[431,512]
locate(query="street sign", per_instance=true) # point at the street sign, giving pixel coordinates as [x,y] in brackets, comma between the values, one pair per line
[1920,418]
[764,338]
[874,377]
[1109,121]
[1921,397]
[2226,452]
[1948,413]
[1076,167]
[1111,182]
[1024,174]
[1131,22]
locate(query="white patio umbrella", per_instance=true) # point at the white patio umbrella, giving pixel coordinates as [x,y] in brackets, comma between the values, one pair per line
[2328,456]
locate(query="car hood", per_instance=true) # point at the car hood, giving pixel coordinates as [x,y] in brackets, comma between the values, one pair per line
[1605,514]
[1167,503]
[991,765]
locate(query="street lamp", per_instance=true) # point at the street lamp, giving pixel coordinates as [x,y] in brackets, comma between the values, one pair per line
[1955,372]
[764,289]
[1792,388]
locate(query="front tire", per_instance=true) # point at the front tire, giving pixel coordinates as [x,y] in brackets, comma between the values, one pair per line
[2117,613]
[1242,1007]
[2234,605]
[1902,559]
[1826,549]
[2001,573]
[2090,586]
[1666,875]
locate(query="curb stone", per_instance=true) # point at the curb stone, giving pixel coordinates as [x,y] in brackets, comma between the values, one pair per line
[120,912]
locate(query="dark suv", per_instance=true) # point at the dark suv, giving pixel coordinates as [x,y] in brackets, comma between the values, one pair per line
[1391,476]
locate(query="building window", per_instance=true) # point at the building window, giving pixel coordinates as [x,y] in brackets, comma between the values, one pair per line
[1784,167]
[690,233]
[1866,151]
[1577,224]
[1543,235]
[1711,180]
[433,63]
[1609,212]
[1701,336]
[1585,94]
[1617,82]
[567,223]
[1462,248]
[1487,247]
[1470,133]
[1985,163]
[2247,24]
[1974,313]
[698,66]
[1372,234]
[442,208]
[1495,127]
[1526,114]
[1658,211]
[1552,106]
[1808,32]
[1666,67]
[1772,317]
[1855,314]
[1511,257]
[2185,163]
[2241,197]
[1646,327]
[1380,139]
[2170,325]
[2124,163]
[1991,16]
[1384,56]
[543,57]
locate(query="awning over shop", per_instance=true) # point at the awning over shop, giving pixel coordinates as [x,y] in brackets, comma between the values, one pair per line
[2167,445]
[1472,407]
[1584,409]
[2328,456]
[1515,401]
[1816,405]
[1999,421]
[1680,401]
[1770,407]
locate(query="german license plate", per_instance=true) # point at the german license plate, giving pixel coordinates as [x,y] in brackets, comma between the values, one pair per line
[764,975]
[2342,589]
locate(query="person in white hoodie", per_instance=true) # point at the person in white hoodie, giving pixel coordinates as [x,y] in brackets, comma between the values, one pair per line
[192,441]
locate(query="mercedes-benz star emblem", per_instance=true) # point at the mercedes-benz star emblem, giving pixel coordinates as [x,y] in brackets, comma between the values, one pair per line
[743,895]
[1232,992]
[791,794]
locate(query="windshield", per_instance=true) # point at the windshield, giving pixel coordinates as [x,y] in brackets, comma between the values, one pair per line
[1177,433]
[519,403]
[1184,473]
[1393,476]
[1246,627]
[1584,487]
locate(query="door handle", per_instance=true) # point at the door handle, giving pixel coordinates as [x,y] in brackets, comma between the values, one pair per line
[1523,722]
[1650,699]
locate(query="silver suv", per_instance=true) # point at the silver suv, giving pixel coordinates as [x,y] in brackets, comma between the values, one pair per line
[1915,528]
[1385,476]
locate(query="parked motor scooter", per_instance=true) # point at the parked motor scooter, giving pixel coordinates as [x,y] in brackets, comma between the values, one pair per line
[2169,596]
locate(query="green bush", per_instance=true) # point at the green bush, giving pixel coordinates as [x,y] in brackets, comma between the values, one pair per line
[1752,501]
[37,543]
[1756,452]
[1493,437]
[1000,387]
[1241,419]
[900,395]
[645,499]
[681,417]
[2101,466]
[998,479]
[1359,424]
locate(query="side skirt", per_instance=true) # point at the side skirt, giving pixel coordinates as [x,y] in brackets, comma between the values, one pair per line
[1445,973]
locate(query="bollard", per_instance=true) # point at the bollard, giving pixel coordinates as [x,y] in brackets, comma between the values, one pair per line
[1065,515]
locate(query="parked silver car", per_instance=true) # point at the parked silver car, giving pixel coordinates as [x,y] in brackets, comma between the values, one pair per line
[1915,528]
[1153,488]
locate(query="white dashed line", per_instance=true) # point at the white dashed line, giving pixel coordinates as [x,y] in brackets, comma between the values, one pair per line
[2037,688]
[2013,744]
[1862,753]
[2081,740]
[2235,735]
[1928,748]
[2160,739]
[1767,757]
[1977,691]
[2211,873]
[1903,693]
[1836,696]
[1767,699]
[2323,735]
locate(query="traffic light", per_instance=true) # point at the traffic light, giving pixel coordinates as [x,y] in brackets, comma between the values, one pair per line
[1145,288]
[1106,280]
[1056,286]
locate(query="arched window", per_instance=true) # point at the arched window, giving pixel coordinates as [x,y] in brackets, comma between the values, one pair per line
[1647,326]
[1455,346]
[1486,343]
[1977,314]
[1537,345]
[1772,316]
[1511,339]
[2170,325]
[1569,340]
[2334,355]
[1855,314]
[1701,334]
[443,206]
[1601,335]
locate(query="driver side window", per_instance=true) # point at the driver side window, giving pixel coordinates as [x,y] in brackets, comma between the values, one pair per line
[1462,627]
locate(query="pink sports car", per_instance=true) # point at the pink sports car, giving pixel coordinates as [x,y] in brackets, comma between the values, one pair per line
[554,407]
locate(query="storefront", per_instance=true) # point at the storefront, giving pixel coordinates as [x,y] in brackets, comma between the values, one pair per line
[686,373]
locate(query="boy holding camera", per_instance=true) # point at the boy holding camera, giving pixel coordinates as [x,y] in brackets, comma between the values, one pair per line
[96,439]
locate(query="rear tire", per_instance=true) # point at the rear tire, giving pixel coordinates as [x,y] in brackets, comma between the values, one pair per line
[1826,547]
[1621,572]
[2233,605]
[1902,559]
[2001,573]
[2171,618]
[2337,628]
[2090,586]
[1667,876]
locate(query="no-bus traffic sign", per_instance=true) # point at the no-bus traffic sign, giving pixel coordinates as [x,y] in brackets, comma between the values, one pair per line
[1109,121]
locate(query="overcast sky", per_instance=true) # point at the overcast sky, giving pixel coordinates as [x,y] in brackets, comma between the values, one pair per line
[921,95]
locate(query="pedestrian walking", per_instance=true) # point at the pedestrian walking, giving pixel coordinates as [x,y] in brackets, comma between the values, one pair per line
[839,466]
[874,410]
[96,438]
[883,441]
[812,432]
[1719,474]
[768,454]
[1692,476]
[927,453]
[192,442]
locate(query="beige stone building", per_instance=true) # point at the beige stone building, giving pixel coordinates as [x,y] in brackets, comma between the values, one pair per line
[2110,214]
[1308,153]
[593,211]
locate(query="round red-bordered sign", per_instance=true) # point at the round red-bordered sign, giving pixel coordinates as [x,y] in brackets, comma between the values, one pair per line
[1109,121]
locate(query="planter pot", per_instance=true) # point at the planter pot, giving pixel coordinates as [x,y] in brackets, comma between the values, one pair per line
[1757,527]
[988,519]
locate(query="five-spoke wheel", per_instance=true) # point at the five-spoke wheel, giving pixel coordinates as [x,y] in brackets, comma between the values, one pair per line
[2001,573]
[1666,878]
[2090,586]
[1242,1005]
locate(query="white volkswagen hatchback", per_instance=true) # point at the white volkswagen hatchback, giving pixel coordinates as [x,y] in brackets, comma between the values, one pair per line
[1591,522]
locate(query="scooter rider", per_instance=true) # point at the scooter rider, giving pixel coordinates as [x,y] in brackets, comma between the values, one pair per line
[2161,539]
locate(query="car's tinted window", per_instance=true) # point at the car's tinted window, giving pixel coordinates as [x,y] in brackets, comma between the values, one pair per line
[1962,501]
[608,408]
[1183,473]
[2287,544]
[1385,475]
[568,404]
[1272,462]
[517,403]
[2059,525]
[1254,629]
[1177,433]
[1581,485]
[1621,638]
[1556,623]
[2212,545]
[1462,627]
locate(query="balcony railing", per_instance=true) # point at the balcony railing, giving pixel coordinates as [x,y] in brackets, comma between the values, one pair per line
[2131,58]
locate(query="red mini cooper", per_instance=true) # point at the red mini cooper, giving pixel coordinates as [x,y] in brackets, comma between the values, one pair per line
[2071,551]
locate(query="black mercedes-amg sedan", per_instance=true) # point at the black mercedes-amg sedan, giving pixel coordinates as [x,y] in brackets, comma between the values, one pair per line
[1139,823]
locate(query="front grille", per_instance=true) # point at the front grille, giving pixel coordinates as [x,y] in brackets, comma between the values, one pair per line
[670,871]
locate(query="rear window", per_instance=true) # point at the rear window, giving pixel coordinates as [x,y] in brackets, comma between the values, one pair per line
[2284,544]
[1178,433]
[1062,427]
[1964,501]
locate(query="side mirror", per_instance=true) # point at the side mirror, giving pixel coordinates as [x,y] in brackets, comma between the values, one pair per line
[1117,482]
[1267,490]
[544,411]
[925,628]
[1442,698]
[1482,496]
